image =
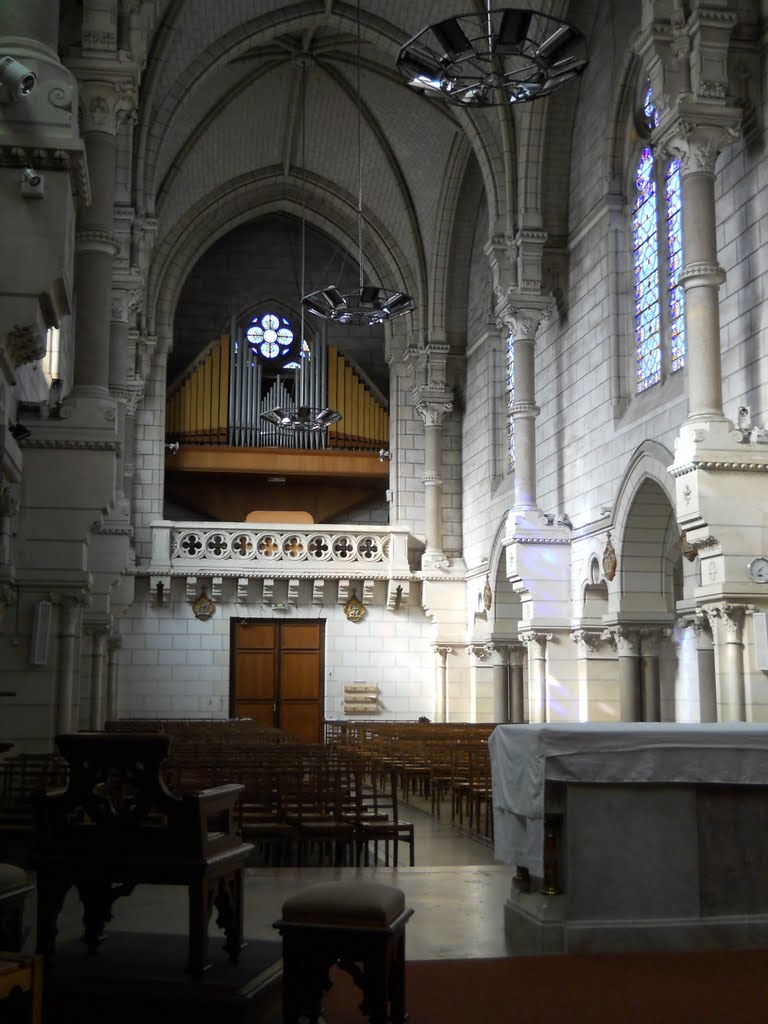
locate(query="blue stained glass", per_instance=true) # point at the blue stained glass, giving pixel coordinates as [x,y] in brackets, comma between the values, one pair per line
[673,196]
[510,400]
[646,264]
[650,112]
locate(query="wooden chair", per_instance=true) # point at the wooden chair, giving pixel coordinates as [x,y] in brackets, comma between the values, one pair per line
[117,825]
[379,821]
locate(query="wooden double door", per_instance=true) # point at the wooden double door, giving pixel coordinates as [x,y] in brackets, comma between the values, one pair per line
[278,672]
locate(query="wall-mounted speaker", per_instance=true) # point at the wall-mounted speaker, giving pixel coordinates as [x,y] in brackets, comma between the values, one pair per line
[41,631]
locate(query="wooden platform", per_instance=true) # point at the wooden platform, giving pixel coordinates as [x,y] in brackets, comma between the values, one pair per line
[140,978]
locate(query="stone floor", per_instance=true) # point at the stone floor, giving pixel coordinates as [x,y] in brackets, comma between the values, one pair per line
[456,890]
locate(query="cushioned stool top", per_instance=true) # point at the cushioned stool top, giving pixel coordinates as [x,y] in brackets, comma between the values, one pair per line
[367,904]
[12,877]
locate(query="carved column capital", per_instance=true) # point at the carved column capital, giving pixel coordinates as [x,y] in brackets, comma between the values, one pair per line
[125,302]
[697,137]
[106,105]
[25,343]
[588,639]
[730,617]
[432,406]
[521,315]
[536,640]
[626,641]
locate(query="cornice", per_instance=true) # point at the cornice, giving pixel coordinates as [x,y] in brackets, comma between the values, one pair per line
[72,444]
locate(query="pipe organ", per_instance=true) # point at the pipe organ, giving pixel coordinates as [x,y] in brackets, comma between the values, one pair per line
[219,401]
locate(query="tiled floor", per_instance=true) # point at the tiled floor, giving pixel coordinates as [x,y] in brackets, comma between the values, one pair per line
[456,890]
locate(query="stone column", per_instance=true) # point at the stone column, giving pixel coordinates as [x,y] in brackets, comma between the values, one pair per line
[650,675]
[628,650]
[104,105]
[695,134]
[502,711]
[114,643]
[69,635]
[516,683]
[705,657]
[441,689]
[537,674]
[729,661]
[522,322]
[99,635]
[433,400]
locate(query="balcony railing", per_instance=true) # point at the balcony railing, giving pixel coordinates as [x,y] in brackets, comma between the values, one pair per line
[238,549]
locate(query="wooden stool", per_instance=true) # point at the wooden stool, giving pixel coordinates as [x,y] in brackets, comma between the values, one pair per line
[360,926]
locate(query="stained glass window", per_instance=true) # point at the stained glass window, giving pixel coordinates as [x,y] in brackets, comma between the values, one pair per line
[646,266]
[272,339]
[657,243]
[510,400]
[675,265]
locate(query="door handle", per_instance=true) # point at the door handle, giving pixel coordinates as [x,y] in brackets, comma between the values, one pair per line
[274,707]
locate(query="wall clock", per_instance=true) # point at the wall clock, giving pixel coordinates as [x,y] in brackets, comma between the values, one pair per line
[757,570]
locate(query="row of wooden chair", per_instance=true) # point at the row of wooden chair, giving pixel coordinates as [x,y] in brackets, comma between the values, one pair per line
[441,763]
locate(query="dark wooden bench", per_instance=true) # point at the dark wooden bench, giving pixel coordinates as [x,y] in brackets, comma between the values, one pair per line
[116,825]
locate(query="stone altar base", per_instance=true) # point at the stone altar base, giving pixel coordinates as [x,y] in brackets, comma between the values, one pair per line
[651,867]
[140,978]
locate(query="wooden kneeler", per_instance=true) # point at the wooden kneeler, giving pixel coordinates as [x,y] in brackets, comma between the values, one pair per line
[358,926]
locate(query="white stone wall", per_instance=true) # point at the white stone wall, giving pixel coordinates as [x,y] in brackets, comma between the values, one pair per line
[172,664]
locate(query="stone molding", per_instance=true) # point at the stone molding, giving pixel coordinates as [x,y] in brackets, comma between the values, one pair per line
[99,240]
[72,444]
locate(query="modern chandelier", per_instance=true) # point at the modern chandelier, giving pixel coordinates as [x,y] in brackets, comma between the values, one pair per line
[494,58]
[370,304]
[302,419]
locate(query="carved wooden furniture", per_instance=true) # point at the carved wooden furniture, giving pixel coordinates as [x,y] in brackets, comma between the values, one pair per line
[116,825]
[15,886]
[360,927]
[21,988]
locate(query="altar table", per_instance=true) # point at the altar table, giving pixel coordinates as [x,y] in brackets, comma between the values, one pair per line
[663,829]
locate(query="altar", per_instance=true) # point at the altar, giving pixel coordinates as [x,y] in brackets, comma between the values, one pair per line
[630,836]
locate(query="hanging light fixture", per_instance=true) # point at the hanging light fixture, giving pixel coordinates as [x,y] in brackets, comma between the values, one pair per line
[494,58]
[369,304]
[303,418]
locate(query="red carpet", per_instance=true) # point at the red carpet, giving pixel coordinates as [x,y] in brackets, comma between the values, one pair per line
[654,988]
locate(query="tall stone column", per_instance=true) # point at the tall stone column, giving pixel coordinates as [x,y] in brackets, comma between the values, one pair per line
[433,411]
[516,683]
[628,650]
[729,661]
[433,400]
[705,657]
[99,635]
[105,102]
[522,322]
[537,674]
[441,687]
[114,643]
[69,636]
[696,135]
[650,675]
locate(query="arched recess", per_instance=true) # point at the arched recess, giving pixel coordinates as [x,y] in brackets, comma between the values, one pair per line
[649,574]
[247,198]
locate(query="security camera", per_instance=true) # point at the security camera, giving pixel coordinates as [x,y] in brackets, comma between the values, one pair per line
[31,184]
[30,176]
[17,81]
